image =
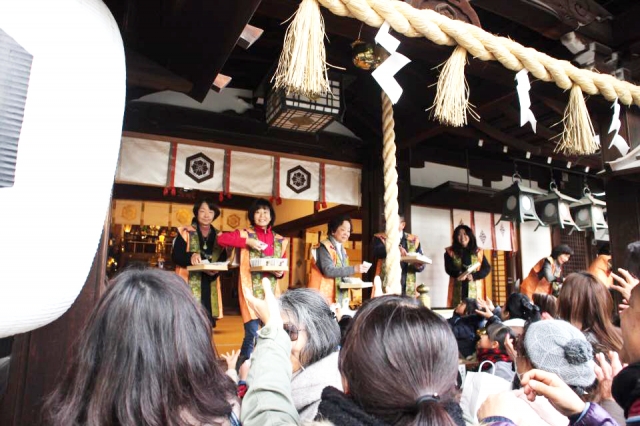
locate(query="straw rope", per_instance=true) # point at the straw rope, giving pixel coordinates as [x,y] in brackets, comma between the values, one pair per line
[441,30]
[393,270]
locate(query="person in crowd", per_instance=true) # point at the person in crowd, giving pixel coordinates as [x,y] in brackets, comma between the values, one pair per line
[588,305]
[601,266]
[388,377]
[491,347]
[196,244]
[546,275]
[467,266]
[626,384]
[258,241]
[464,323]
[145,357]
[627,278]
[409,244]
[505,409]
[315,338]
[547,303]
[516,312]
[331,263]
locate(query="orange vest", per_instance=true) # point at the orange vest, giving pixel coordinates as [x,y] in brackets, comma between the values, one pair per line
[326,286]
[245,279]
[452,281]
[532,284]
[601,269]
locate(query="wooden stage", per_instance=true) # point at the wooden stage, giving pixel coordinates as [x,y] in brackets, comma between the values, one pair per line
[228,334]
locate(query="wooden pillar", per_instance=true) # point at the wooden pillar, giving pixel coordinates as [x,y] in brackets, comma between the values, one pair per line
[372,202]
[40,357]
[404,185]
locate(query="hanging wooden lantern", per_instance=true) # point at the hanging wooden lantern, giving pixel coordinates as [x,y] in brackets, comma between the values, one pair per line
[588,212]
[297,112]
[553,209]
[519,204]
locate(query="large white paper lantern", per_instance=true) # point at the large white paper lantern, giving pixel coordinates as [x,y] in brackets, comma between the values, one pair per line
[52,215]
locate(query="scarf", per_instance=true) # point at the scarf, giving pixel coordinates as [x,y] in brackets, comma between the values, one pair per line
[493,355]
[340,409]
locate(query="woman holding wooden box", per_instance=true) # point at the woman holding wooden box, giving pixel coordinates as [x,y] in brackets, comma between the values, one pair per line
[194,245]
[256,242]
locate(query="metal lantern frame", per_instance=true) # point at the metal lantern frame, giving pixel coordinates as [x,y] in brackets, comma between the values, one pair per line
[554,209]
[588,212]
[299,113]
[516,197]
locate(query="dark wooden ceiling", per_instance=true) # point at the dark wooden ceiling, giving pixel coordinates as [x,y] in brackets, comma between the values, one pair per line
[182,44]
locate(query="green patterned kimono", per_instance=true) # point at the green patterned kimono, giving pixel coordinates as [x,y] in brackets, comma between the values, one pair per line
[473,285]
[256,277]
[195,278]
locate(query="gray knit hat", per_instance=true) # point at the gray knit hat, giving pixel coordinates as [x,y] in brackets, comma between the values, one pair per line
[558,347]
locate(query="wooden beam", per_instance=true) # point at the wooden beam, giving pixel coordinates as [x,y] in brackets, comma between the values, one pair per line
[504,138]
[293,227]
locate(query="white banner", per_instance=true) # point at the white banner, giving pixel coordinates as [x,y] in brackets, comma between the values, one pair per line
[143,161]
[251,174]
[461,217]
[483,229]
[342,185]
[199,167]
[503,236]
[299,179]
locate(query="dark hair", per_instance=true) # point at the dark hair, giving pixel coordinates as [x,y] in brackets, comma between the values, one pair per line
[308,310]
[210,203]
[471,305]
[519,306]
[258,204]
[396,352]
[561,249]
[632,262]
[605,249]
[335,223]
[587,304]
[547,303]
[457,247]
[498,333]
[144,357]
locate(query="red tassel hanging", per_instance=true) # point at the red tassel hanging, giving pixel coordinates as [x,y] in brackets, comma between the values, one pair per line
[323,193]
[275,192]
[171,175]
[226,176]
[221,196]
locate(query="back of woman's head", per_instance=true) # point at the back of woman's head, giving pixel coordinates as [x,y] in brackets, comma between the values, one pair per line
[145,357]
[519,306]
[586,303]
[547,303]
[400,362]
[309,311]
[471,305]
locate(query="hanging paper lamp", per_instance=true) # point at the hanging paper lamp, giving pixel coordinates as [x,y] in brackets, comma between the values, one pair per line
[589,213]
[67,102]
[519,203]
[553,209]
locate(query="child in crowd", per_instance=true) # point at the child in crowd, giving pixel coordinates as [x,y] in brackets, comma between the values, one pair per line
[464,324]
[491,348]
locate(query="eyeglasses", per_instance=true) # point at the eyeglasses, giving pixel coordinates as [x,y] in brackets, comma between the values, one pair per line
[292,330]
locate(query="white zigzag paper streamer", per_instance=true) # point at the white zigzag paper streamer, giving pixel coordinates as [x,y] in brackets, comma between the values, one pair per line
[617,140]
[523,87]
[386,71]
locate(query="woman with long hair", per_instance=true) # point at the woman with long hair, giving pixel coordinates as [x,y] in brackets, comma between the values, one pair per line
[144,358]
[399,365]
[587,304]
[467,266]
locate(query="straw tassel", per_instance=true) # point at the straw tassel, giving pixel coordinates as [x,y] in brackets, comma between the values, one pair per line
[451,103]
[578,135]
[302,68]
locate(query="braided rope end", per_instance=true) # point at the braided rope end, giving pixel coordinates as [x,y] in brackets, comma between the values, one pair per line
[451,103]
[302,67]
[578,135]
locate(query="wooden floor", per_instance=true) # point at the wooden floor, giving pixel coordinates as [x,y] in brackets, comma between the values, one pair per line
[228,334]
